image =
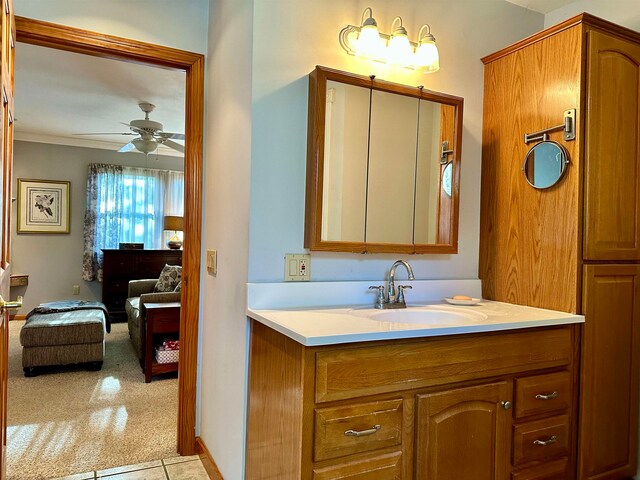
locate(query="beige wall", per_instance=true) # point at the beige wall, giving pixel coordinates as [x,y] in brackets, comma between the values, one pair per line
[54,261]
[622,12]
[223,322]
[290,38]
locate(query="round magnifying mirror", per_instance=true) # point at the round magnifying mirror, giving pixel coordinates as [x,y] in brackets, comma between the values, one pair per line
[447,174]
[545,164]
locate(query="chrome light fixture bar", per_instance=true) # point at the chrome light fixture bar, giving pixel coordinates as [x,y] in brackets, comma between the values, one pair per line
[395,48]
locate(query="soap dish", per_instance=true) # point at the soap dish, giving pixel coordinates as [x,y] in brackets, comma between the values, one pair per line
[453,301]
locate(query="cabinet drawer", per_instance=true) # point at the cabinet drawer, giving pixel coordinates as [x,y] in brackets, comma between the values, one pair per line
[150,266]
[114,303]
[118,286]
[382,467]
[117,264]
[541,439]
[354,372]
[341,431]
[556,470]
[542,393]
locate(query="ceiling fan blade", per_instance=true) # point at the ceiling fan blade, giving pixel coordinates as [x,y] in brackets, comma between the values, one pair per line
[174,145]
[176,136]
[106,133]
[127,148]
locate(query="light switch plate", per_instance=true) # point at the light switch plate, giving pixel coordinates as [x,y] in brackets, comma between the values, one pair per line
[212,262]
[297,267]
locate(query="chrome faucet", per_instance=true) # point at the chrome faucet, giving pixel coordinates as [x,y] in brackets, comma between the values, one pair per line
[393,299]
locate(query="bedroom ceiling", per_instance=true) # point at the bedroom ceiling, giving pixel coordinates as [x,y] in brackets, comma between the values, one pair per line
[60,93]
[542,6]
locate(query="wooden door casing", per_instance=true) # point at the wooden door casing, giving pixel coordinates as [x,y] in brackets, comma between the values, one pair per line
[464,433]
[7,35]
[608,424]
[612,156]
[67,38]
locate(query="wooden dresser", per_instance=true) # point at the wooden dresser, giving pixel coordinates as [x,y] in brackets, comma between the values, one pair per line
[120,266]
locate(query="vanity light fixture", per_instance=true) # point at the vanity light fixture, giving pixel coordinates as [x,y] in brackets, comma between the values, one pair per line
[395,48]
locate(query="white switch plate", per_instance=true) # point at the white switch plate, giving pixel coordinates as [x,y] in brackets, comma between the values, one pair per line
[76,290]
[297,267]
[212,262]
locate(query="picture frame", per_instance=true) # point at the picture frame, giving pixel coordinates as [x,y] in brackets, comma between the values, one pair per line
[43,206]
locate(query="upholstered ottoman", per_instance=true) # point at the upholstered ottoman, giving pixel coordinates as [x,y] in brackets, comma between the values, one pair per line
[63,338]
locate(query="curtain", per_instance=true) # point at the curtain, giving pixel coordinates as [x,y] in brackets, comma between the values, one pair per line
[101,221]
[127,204]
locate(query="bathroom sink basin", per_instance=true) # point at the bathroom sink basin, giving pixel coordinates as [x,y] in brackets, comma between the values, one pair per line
[426,315]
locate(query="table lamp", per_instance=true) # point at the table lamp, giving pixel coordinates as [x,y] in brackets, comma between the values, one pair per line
[175,223]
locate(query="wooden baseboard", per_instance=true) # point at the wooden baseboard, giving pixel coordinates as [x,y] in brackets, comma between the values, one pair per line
[18,317]
[207,460]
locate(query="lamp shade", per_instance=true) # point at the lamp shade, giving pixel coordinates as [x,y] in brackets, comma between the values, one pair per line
[427,58]
[369,44]
[399,50]
[173,223]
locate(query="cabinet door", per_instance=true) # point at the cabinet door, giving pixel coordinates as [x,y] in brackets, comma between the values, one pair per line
[463,434]
[608,430]
[612,160]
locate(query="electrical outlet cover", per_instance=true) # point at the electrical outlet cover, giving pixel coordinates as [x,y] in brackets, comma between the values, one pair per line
[297,267]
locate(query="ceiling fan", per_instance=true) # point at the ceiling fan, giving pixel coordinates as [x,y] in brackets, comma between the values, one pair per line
[149,134]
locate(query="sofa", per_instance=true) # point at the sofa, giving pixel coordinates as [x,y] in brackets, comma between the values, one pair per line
[141,292]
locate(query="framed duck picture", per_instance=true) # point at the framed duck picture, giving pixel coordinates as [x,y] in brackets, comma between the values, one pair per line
[43,206]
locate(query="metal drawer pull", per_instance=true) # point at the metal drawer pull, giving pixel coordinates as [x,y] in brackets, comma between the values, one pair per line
[362,433]
[547,396]
[544,443]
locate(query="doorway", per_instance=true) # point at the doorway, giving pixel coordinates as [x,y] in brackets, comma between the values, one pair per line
[80,41]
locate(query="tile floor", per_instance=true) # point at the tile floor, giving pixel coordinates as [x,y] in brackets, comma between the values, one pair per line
[174,468]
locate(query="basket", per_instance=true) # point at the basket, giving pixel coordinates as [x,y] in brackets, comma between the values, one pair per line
[166,356]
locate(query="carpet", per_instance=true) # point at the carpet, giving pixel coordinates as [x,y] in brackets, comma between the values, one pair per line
[73,420]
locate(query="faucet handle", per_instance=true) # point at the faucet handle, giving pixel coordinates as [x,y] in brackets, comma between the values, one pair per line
[401,289]
[380,295]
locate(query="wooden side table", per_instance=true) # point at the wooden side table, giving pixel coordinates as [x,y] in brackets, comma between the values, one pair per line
[160,318]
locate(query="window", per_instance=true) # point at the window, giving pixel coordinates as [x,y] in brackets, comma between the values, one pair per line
[127,204]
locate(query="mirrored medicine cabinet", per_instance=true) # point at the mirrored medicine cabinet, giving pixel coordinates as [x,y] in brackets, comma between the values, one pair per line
[383,166]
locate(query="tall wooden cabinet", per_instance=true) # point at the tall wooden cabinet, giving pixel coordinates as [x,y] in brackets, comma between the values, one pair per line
[576,246]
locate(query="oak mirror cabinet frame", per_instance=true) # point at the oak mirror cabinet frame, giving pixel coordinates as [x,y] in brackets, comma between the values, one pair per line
[389,142]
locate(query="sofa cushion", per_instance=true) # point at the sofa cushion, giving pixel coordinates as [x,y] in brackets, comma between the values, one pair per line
[64,328]
[169,278]
[132,307]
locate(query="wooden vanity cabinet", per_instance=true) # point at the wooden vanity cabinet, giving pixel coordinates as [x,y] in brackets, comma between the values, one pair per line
[426,408]
[464,433]
[563,248]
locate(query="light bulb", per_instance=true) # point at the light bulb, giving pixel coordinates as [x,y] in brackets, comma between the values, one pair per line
[369,44]
[399,50]
[427,58]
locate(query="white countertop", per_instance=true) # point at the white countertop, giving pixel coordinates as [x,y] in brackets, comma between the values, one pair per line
[328,326]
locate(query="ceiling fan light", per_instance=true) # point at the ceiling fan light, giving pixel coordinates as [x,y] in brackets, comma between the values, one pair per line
[145,146]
